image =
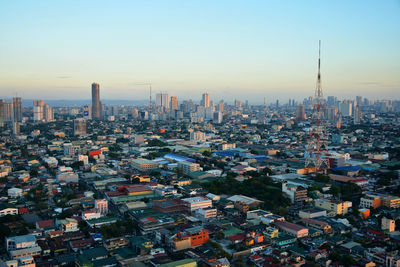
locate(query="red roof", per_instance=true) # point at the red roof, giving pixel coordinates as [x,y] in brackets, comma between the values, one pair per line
[45,224]
[290,225]
[237,237]
[23,211]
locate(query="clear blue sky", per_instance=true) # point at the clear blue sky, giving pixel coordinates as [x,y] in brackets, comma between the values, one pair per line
[232,49]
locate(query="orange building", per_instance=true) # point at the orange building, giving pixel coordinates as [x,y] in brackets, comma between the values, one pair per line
[191,237]
[364,213]
[198,236]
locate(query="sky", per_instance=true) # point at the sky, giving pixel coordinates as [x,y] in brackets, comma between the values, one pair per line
[231,49]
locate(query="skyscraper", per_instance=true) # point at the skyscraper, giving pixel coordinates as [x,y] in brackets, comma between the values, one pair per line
[96,105]
[357,115]
[38,110]
[162,101]
[346,108]
[48,113]
[17,109]
[174,103]
[301,113]
[206,100]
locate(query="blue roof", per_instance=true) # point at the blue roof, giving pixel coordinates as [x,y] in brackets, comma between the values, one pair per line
[178,158]
[259,158]
[347,168]
[228,153]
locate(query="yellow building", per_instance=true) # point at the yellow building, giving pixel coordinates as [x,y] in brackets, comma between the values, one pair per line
[143,178]
[271,232]
[391,202]
[338,207]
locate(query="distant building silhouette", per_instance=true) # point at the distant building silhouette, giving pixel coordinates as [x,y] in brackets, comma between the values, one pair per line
[96,105]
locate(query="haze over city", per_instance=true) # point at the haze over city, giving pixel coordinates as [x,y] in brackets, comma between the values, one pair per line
[231,49]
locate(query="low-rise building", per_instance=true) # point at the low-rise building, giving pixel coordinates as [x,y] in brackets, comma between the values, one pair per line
[194,203]
[206,214]
[388,224]
[191,237]
[391,202]
[188,167]
[14,192]
[7,209]
[294,192]
[21,246]
[68,225]
[370,201]
[144,164]
[324,226]
[337,207]
[292,229]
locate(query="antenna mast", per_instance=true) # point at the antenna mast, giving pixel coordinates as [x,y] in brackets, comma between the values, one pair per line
[316,154]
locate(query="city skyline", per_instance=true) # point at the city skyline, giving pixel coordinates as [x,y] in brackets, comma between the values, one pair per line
[253,51]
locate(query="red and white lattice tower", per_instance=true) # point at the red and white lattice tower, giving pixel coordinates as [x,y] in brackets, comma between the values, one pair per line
[316,154]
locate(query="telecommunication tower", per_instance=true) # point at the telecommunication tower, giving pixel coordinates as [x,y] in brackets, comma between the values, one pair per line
[316,154]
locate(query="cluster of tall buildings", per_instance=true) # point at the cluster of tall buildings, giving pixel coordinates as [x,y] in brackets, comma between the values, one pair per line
[11,111]
[42,112]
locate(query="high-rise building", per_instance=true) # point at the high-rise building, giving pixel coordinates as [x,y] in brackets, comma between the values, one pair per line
[162,101]
[79,126]
[48,113]
[17,109]
[301,113]
[38,110]
[205,101]
[331,113]
[217,117]
[16,128]
[2,117]
[87,112]
[221,106]
[96,105]
[346,108]
[331,101]
[358,100]
[8,111]
[357,115]
[174,103]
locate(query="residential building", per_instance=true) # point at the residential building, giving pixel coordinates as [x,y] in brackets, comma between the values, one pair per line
[197,136]
[101,205]
[206,214]
[292,229]
[188,167]
[14,192]
[295,193]
[191,237]
[144,164]
[388,224]
[194,203]
[324,226]
[7,209]
[68,225]
[370,201]
[337,207]
[21,246]
[391,202]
